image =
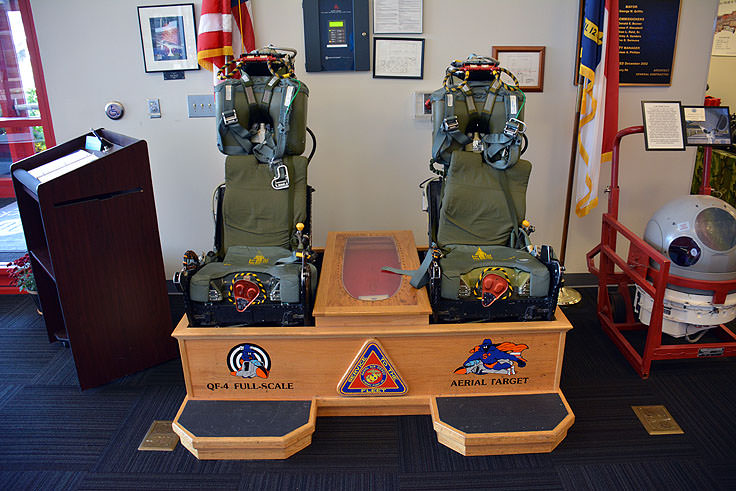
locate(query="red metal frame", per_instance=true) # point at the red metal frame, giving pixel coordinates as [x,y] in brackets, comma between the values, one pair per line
[17,123]
[649,269]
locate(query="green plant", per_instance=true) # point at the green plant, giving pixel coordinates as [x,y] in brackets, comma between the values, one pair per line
[22,274]
[722,175]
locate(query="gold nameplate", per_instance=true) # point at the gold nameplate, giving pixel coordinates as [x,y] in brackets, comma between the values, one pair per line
[657,420]
[160,437]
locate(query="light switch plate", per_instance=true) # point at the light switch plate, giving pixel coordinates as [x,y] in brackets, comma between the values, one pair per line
[421,111]
[201,106]
[154,108]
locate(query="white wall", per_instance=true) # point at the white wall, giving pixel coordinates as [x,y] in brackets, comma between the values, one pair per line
[371,153]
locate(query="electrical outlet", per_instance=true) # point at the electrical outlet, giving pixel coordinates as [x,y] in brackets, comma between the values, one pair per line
[154,108]
[201,106]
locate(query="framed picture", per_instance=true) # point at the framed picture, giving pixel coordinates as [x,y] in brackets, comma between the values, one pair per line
[526,62]
[398,57]
[168,37]
[707,125]
[663,126]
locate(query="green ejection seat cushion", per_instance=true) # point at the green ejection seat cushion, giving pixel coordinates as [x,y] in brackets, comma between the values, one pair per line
[473,206]
[243,259]
[469,261]
[255,214]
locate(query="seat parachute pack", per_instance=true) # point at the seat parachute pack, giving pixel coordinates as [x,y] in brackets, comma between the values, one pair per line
[261,270]
[471,112]
[261,110]
[481,264]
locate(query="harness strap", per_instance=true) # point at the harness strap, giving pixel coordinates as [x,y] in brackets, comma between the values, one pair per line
[469,102]
[501,150]
[268,93]
[271,151]
[419,277]
[490,103]
[518,237]
[450,131]
[289,95]
[229,123]
[250,97]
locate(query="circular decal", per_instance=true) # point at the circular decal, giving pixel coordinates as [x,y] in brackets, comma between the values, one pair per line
[373,375]
[248,360]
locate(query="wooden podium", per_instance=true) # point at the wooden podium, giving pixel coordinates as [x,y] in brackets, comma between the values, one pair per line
[92,235]
[371,352]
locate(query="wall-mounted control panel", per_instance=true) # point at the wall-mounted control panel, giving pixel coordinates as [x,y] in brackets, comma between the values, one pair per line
[336,35]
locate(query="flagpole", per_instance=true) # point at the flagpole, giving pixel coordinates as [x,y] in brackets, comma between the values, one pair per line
[571,171]
[570,296]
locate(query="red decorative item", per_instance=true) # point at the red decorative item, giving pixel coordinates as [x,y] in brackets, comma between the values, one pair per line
[21,274]
[493,286]
[245,292]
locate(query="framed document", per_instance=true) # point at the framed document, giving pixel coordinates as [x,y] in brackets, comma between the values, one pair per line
[526,62]
[663,128]
[398,57]
[707,125]
[397,16]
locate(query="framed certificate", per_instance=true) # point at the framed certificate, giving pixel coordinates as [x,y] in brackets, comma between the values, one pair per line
[526,62]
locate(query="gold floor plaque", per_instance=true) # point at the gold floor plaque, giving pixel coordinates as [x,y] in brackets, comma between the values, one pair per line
[160,437]
[657,420]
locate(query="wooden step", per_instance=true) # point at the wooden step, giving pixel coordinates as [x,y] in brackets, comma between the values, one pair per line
[501,424]
[240,430]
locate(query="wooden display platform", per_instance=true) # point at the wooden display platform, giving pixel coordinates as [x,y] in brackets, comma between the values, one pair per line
[491,388]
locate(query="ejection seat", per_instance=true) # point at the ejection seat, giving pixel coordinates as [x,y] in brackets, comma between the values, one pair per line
[261,270]
[481,264]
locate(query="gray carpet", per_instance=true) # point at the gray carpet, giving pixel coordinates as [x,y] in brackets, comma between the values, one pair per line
[52,436]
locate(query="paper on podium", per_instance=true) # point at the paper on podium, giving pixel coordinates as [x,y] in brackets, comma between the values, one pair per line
[59,167]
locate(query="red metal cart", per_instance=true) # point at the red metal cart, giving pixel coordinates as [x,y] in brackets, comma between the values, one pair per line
[649,269]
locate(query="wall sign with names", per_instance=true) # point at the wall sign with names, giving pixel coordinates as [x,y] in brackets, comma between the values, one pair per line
[647,34]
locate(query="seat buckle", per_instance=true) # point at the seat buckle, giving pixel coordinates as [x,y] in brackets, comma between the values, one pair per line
[514,127]
[450,124]
[435,273]
[229,117]
[281,177]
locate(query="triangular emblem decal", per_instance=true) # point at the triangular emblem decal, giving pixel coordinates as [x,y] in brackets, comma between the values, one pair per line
[371,374]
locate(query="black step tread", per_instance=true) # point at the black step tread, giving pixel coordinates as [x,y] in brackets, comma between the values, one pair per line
[502,413]
[244,418]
